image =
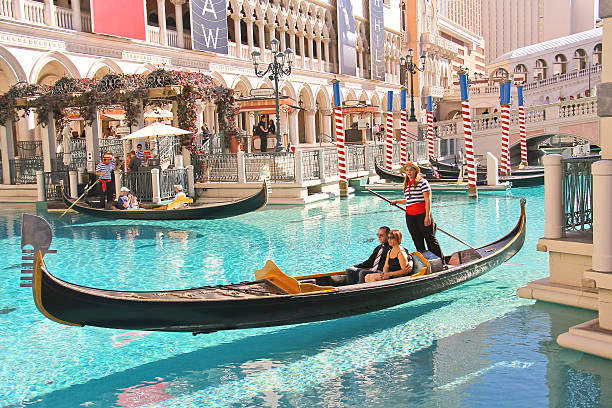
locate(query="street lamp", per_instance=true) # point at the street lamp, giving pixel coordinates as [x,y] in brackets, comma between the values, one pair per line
[279,67]
[412,68]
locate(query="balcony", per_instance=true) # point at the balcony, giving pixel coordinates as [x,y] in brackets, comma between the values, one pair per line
[154,36]
[438,45]
[34,12]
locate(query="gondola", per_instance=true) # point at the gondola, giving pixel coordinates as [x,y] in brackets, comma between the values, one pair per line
[191,212]
[272,299]
[520,177]
[394,177]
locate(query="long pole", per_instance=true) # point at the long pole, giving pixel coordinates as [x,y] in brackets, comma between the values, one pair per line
[431,151]
[505,127]
[411,69]
[404,129]
[339,129]
[389,132]
[522,129]
[467,134]
[437,226]
[79,199]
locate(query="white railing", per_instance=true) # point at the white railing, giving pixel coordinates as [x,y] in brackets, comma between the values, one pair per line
[172,38]
[187,38]
[34,12]
[6,8]
[245,51]
[231,49]
[86,22]
[153,35]
[565,77]
[63,18]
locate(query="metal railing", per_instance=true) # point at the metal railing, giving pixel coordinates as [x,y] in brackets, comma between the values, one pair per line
[26,149]
[310,165]
[577,193]
[215,167]
[168,147]
[114,146]
[23,171]
[356,158]
[53,181]
[168,179]
[280,167]
[330,162]
[140,184]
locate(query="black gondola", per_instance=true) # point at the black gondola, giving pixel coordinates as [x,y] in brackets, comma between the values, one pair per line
[273,299]
[192,212]
[399,178]
[520,177]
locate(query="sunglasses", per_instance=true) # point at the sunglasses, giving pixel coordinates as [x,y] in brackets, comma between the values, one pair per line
[391,237]
[380,235]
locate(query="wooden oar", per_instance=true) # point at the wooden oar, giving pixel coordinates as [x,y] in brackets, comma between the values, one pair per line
[78,199]
[403,209]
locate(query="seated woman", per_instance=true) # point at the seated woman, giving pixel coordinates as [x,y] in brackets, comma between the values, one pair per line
[398,262]
[133,202]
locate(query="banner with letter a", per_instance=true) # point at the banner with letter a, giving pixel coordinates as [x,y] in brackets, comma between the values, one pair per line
[209,25]
[119,17]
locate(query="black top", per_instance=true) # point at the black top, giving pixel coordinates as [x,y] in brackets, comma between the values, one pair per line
[134,164]
[369,263]
[394,263]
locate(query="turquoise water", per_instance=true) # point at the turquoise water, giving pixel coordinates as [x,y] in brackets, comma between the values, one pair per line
[474,345]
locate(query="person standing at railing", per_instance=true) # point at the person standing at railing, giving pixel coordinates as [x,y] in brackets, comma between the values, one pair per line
[134,163]
[262,132]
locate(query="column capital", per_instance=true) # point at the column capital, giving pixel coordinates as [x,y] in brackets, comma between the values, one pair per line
[249,20]
[178,2]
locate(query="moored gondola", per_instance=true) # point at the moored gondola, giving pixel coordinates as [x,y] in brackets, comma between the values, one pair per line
[191,212]
[272,299]
[394,177]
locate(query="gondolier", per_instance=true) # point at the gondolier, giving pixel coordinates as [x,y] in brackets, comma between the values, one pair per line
[104,170]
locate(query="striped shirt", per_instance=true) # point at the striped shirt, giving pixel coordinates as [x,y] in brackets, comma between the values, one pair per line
[139,154]
[414,195]
[106,168]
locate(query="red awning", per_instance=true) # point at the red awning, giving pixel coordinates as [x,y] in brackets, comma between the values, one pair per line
[350,110]
[261,105]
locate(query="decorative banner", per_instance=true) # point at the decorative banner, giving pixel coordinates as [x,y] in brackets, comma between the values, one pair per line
[347,38]
[377,39]
[522,130]
[467,134]
[339,122]
[431,151]
[504,95]
[209,25]
[404,129]
[119,17]
[389,132]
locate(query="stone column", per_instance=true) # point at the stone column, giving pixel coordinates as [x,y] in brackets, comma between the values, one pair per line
[18,9]
[241,166]
[326,54]
[553,196]
[117,183]
[283,43]
[92,143]
[319,54]
[249,26]
[310,52]
[76,15]
[7,149]
[161,13]
[309,126]
[41,194]
[191,182]
[178,13]
[302,50]
[299,170]
[292,39]
[50,13]
[360,71]
[74,183]
[293,128]
[271,32]
[237,34]
[262,38]
[48,143]
[326,120]
[155,185]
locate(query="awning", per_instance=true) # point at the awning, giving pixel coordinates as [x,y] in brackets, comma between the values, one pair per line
[113,116]
[264,104]
[350,110]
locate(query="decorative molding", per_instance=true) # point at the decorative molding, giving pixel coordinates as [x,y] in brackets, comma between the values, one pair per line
[214,67]
[97,51]
[32,42]
[190,63]
[153,59]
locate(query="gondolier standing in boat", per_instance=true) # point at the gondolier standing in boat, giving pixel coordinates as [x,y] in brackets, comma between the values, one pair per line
[418,210]
[104,170]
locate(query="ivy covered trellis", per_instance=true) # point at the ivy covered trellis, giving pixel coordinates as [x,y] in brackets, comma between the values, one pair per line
[132,92]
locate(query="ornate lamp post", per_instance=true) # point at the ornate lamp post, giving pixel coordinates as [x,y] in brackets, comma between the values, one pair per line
[412,68]
[279,67]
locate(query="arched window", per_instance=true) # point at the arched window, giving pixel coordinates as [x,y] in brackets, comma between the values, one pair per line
[153,20]
[186,21]
[597,55]
[170,22]
[520,73]
[560,65]
[580,56]
[540,71]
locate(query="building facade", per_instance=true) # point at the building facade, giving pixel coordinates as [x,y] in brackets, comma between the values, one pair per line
[42,41]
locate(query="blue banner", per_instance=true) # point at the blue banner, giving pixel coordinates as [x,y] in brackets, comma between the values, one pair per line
[429,104]
[337,100]
[404,97]
[521,100]
[209,26]
[463,84]
[504,93]
[390,101]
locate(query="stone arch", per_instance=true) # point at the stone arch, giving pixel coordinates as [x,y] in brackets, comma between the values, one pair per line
[323,116]
[540,70]
[11,67]
[52,61]
[350,96]
[560,64]
[146,68]
[218,79]
[581,57]
[520,73]
[306,115]
[265,83]
[597,54]
[105,65]
[363,97]
[244,82]
[288,86]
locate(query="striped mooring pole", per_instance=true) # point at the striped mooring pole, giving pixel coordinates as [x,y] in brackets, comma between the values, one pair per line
[389,132]
[467,134]
[339,125]
[504,95]
[522,129]
[431,151]
[404,129]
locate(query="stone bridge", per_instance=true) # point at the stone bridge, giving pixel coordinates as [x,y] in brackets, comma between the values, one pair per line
[575,118]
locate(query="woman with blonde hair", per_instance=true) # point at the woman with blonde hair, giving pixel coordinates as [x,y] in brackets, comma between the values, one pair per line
[418,210]
[398,262]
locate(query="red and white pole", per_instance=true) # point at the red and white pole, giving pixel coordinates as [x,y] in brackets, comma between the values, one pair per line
[522,129]
[389,132]
[505,126]
[467,134]
[404,130]
[431,150]
[339,125]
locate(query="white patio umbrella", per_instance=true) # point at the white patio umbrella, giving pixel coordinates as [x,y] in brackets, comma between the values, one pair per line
[156,130]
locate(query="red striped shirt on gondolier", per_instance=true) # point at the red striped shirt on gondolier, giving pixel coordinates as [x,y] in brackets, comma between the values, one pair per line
[415,200]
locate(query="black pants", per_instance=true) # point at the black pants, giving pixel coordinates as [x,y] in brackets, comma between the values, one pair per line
[263,143]
[422,234]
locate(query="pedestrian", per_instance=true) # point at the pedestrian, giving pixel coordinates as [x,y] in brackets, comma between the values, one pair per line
[262,132]
[139,152]
[271,127]
[419,220]
[134,162]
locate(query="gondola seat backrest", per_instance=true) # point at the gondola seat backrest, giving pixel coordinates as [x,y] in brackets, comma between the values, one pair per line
[425,263]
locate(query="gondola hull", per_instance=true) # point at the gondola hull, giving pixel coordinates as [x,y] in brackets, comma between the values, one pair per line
[528,180]
[399,178]
[202,212]
[226,307]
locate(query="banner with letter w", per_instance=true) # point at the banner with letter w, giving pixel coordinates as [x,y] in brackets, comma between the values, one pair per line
[209,25]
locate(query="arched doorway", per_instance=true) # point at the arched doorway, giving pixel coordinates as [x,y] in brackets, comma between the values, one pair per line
[560,65]
[540,71]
